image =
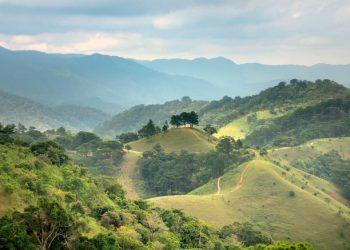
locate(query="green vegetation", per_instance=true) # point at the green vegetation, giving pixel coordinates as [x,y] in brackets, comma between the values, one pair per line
[259,193]
[132,119]
[184,119]
[45,206]
[330,118]
[167,174]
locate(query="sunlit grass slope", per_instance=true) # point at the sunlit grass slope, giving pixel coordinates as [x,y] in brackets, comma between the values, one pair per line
[176,140]
[263,198]
[314,148]
[240,127]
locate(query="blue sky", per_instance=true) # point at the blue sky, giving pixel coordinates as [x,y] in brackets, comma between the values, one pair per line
[266,31]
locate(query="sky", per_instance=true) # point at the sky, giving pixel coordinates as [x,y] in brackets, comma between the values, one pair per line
[266,31]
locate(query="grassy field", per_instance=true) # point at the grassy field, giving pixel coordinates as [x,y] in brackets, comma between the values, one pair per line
[176,140]
[263,198]
[314,148]
[240,127]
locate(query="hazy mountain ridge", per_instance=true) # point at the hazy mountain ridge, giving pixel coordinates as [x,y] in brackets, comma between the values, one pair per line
[15,109]
[60,79]
[248,78]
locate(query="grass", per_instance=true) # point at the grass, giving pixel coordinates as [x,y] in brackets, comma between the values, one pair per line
[175,140]
[240,127]
[263,199]
[314,148]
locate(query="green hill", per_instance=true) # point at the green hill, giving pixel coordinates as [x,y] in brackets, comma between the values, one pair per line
[175,140]
[64,205]
[272,198]
[134,118]
[326,119]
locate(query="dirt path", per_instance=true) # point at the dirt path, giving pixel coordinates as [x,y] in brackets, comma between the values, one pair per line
[218,186]
[240,182]
[127,173]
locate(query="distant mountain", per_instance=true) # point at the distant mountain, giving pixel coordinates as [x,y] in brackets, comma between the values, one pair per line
[56,79]
[249,78]
[15,109]
[132,119]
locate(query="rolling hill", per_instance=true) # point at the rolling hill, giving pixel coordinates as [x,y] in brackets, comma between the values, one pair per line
[134,118]
[15,109]
[175,140]
[260,193]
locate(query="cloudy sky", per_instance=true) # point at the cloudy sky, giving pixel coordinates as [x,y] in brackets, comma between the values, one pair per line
[265,31]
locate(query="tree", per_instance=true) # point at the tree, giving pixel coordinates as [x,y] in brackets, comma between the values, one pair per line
[165,126]
[193,119]
[175,121]
[54,152]
[210,130]
[48,223]
[6,133]
[148,130]
[226,145]
[127,137]
[85,137]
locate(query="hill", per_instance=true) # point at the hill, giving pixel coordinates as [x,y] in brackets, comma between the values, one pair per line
[134,118]
[56,79]
[235,117]
[175,140]
[250,78]
[76,211]
[271,198]
[15,109]
[329,118]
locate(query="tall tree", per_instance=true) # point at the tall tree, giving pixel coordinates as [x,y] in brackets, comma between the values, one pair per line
[210,130]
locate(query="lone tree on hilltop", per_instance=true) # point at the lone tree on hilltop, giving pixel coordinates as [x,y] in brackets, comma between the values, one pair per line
[185,118]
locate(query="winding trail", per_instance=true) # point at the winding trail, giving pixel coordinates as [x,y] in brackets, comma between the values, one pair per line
[240,182]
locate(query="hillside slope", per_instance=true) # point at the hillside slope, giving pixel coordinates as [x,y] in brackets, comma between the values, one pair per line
[263,198]
[175,140]
[15,109]
[136,117]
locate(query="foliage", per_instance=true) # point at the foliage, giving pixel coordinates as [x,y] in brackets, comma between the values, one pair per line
[180,173]
[148,130]
[6,133]
[330,118]
[54,152]
[185,118]
[329,166]
[246,234]
[127,137]
[282,246]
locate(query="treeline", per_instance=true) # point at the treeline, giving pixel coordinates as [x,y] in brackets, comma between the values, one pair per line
[329,118]
[150,129]
[167,174]
[85,148]
[284,96]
